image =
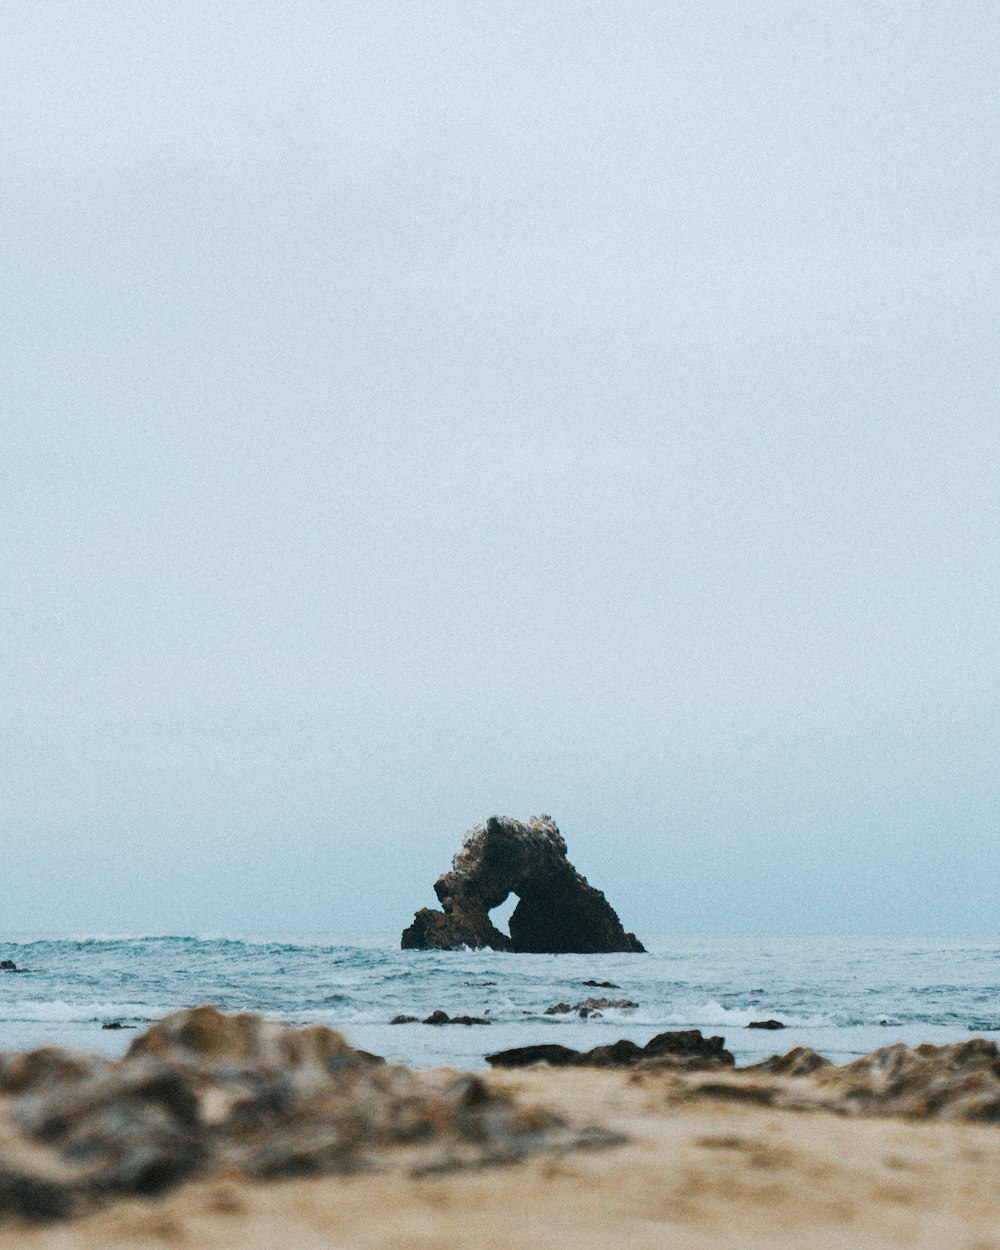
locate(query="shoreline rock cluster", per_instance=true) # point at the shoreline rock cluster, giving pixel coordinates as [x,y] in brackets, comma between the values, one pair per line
[960,1081]
[558,911]
[439,1017]
[686,1049]
[201,1093]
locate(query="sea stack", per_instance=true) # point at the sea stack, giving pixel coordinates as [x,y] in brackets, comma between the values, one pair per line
[558,911]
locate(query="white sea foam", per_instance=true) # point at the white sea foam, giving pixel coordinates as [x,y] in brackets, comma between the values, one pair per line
[58,1011]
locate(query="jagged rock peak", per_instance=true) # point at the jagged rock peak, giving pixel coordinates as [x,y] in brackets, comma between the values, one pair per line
[558,910]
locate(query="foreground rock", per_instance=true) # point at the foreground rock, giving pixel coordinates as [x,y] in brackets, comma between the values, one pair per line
[202,1093]
[685,1049]
[558,911]
[695,1174]
[957,1082]
[802,1061]
[961,1081]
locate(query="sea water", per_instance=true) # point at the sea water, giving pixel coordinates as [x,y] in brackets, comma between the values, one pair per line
[841,995]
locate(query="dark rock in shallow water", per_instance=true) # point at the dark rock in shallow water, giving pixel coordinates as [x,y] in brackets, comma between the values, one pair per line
[765,1024]
[442,1017]
[689,1044]
[590,1006]
[601,985]
[8,965]
[439,1017]
[117,1024]
[523,1056]
[686,1049]
[558,912]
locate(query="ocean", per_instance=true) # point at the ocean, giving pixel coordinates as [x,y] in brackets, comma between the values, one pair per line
[841,995]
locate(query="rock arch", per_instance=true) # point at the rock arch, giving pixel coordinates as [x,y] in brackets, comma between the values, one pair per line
[558,910]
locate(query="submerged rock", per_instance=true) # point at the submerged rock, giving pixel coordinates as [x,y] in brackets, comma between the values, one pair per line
[202,1093]
[558,911]
[684,1049]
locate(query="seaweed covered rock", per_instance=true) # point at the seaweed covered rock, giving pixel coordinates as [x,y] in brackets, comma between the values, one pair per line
[558,911]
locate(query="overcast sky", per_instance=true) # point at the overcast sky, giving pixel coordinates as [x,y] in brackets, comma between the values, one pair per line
[417,411]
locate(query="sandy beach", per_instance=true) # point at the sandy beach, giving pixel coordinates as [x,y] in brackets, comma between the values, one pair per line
[695,1173]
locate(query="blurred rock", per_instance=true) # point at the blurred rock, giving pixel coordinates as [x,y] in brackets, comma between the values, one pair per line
[202,1092]
[957,1082]
[798,1062]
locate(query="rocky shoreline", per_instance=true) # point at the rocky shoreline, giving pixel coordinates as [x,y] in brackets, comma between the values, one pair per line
[202,1094]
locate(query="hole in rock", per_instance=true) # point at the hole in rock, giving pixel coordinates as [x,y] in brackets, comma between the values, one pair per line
[501,914]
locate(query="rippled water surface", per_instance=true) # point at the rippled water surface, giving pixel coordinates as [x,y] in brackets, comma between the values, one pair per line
[840,995]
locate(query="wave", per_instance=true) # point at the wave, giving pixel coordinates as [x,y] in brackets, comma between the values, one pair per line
[58,1011]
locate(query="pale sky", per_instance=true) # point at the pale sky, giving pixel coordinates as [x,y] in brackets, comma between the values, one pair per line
[418,411]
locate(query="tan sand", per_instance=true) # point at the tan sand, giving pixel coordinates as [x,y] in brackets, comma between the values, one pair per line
[695,1175]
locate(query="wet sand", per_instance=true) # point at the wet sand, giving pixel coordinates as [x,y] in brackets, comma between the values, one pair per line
[696,1174]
